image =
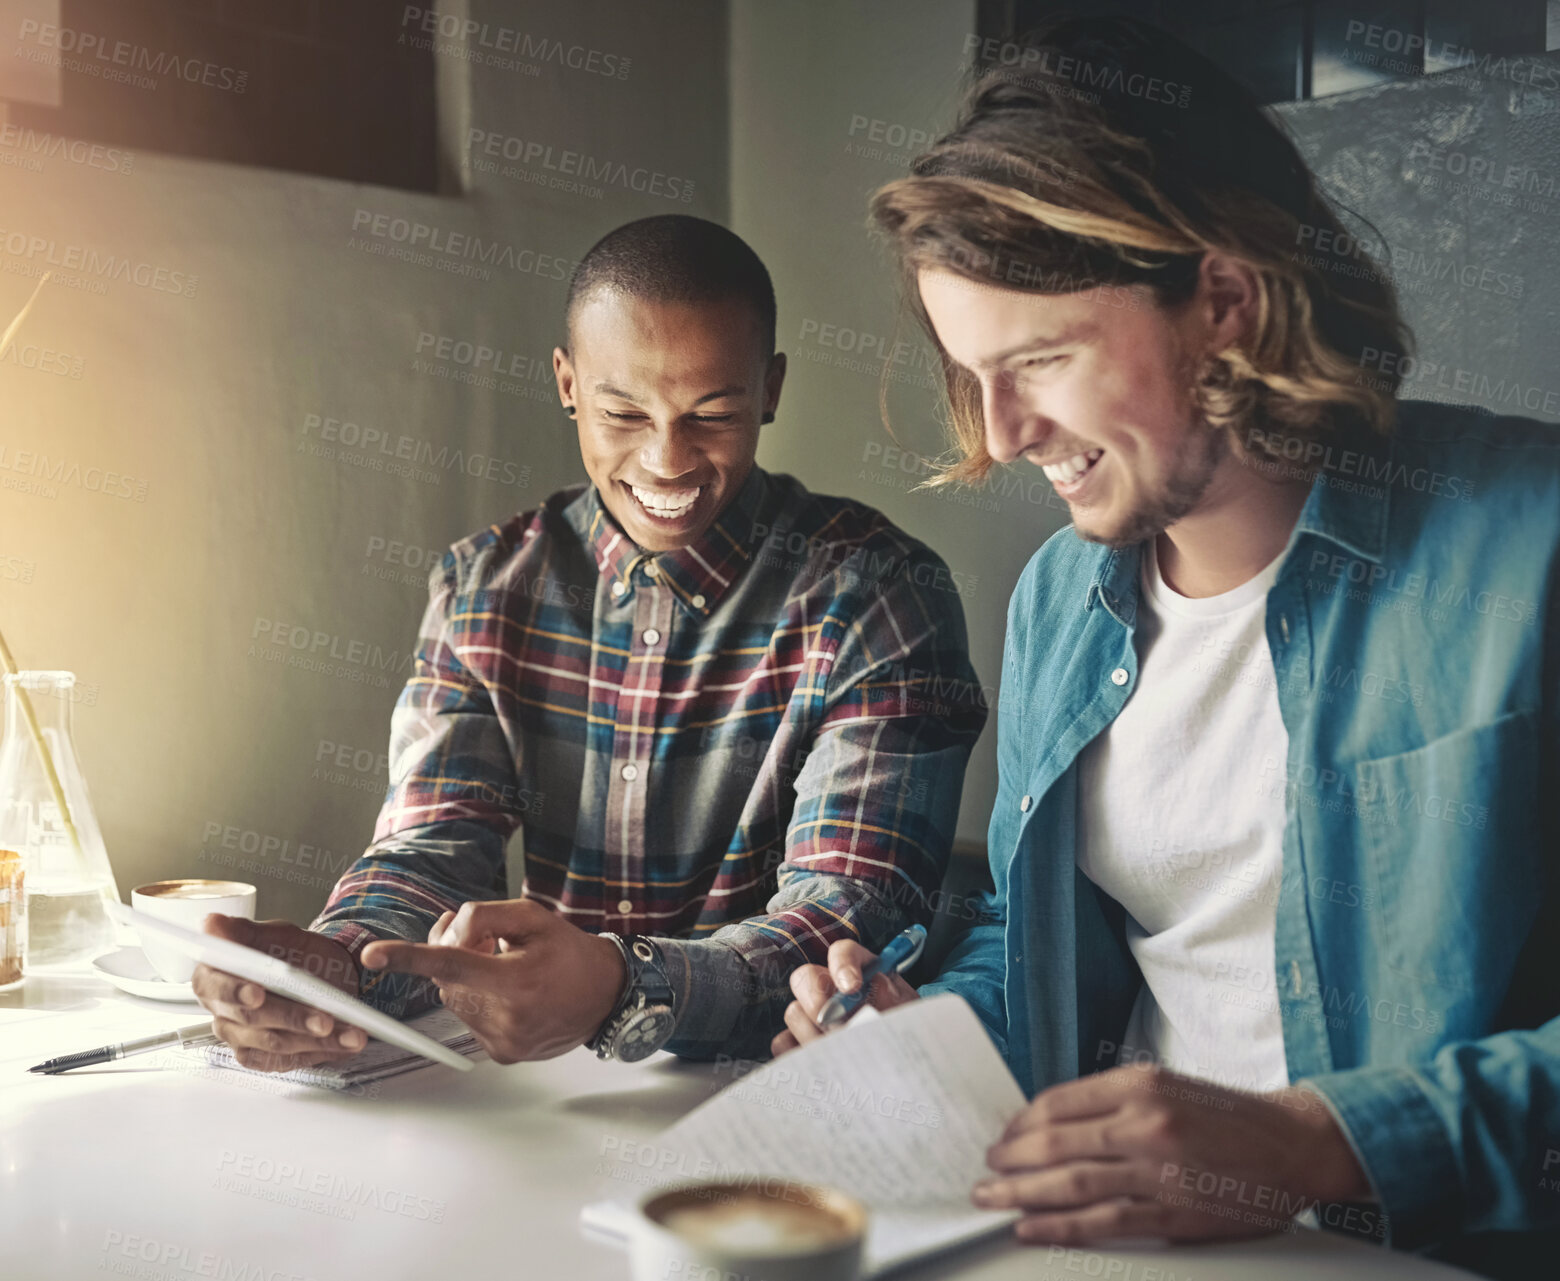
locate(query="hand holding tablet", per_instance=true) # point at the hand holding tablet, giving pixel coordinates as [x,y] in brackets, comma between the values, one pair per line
[268,1032]
[274,975]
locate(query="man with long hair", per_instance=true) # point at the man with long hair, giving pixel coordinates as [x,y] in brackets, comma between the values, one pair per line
[1272,935]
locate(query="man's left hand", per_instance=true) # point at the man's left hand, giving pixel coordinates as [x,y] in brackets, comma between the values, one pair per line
[1144,1152]
[525,981]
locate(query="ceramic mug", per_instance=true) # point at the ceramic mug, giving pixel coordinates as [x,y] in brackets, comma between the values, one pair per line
[761,1229]
[186,902]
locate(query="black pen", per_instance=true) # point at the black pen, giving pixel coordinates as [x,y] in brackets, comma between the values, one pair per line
[195,1034]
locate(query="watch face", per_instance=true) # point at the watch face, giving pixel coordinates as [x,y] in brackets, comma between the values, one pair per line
[644,1034]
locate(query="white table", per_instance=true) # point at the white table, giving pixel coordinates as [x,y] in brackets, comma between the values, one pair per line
[141,1169]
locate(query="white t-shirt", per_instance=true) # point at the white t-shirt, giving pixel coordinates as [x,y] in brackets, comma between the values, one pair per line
[1176,826]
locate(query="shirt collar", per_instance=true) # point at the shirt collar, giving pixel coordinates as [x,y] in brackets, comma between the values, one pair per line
[1115,583]
[1350,499]
[1344,507]
[699,573]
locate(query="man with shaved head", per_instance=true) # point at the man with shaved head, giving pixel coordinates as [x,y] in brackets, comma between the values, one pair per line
[731,717]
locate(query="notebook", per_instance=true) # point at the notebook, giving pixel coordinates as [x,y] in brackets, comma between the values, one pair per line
[897,1109]
[376,1061]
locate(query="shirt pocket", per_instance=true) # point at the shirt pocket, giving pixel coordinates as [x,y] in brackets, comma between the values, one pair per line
[1451,848]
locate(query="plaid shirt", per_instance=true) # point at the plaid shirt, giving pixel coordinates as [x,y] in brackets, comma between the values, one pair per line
[749,747]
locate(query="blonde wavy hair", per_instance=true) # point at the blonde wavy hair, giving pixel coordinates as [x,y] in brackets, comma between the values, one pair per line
[1103,152]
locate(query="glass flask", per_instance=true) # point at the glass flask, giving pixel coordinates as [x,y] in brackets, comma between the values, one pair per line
[68,883]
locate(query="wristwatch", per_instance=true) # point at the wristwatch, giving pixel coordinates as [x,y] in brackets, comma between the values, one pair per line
[642,1020]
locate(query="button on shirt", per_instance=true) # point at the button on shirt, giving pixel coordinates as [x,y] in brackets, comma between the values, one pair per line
[750,746]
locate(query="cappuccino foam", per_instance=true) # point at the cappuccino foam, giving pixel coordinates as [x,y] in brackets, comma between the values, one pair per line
[757,1225]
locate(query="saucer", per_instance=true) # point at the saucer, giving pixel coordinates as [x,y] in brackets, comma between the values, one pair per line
[130,971]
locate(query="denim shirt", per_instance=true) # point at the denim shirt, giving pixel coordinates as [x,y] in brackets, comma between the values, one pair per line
[1416,645]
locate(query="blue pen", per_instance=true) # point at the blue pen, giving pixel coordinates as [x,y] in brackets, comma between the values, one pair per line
[900,954]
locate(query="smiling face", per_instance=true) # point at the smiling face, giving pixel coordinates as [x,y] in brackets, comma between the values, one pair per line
[669,397]
[1098,396]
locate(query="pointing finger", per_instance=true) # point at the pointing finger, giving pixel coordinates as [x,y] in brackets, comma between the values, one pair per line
[444,965]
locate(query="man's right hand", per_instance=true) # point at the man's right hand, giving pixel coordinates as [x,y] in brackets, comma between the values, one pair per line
[268,1032]
[812,985]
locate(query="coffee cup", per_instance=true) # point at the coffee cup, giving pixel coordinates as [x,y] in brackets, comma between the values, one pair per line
[761,1229]
[187,903]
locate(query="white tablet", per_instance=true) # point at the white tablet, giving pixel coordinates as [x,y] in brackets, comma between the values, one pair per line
[275,975]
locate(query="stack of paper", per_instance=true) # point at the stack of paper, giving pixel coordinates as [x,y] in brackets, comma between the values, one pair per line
[377,1060]
[897,1110]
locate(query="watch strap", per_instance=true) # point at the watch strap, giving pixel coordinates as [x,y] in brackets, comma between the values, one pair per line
[650,971]
[647,986]
[629,969]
